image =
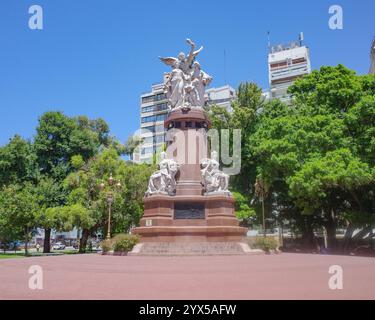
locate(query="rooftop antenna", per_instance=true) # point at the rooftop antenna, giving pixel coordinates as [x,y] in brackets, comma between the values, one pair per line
[372,57]
[301,38]
[269,41]
[225,67]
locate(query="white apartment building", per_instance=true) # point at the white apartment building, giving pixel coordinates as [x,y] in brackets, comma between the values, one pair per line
[286,63]
[221,96]
[154,110]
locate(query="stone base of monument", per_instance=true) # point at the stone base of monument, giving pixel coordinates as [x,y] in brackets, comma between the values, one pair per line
[192,248]
[196,224]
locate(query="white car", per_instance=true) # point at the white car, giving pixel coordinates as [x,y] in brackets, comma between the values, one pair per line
[58,246]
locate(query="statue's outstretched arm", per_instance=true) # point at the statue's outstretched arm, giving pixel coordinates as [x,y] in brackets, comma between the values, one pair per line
[191,43]
[192,53]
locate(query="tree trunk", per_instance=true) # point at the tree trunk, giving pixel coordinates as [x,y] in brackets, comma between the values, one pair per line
[308,237]
[331,236]
[331,230]
[47,241]
[26,241]
[83,241]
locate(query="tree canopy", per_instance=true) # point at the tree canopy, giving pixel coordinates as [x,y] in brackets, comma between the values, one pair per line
[317,154]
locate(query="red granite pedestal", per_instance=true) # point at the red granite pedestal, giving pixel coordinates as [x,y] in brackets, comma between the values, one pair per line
[189,216]
[159,222]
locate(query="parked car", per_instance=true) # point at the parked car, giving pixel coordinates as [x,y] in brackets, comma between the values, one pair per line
[58,246]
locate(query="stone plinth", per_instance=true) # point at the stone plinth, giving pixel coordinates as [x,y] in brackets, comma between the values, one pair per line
[187,145]
[160,221]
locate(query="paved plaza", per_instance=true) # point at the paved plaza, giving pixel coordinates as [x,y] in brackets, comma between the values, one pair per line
[92,276]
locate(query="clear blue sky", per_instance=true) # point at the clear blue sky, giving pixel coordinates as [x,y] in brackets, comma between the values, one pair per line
[96,57]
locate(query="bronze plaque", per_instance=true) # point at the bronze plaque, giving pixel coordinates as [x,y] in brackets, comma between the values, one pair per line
[189,210]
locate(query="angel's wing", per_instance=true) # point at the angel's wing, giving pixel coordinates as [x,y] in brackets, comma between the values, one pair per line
[169,61]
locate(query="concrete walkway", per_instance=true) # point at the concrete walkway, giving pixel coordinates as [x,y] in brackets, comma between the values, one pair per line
[283,276]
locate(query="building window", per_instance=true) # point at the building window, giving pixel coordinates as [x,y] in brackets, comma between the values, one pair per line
[147,109]
[159,128]
[188,124]
[160,96]
[148,140]
[148,119]
[155,108]
[156,97]
[147,150]
[147,99]
[159,139]
[159,117]
[148,129]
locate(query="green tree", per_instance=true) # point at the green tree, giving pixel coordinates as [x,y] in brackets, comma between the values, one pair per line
[220,117]
[243,211]
[294,148]
[134,179]
[83,186]
[329,90]
[332,183]
[59,139]
[49,194]
[246,108]
[340,93]
[18,208]
[131,145]
[360,121]
[17,162]
[8,233]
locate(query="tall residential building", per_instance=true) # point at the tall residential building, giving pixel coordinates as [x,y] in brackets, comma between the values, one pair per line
[372,57]
[286,63]
[221,96]
[154,110]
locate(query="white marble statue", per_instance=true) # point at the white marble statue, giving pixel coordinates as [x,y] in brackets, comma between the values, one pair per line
[185,84]
[163,181]
[199,81]
[214,181]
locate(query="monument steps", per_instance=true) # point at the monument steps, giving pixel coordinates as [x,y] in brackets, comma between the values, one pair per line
[192,248]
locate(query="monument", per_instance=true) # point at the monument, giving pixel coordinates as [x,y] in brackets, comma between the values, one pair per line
[187,200]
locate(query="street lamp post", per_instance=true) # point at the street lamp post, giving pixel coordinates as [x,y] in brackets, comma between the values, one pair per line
[110,198]
[109,201]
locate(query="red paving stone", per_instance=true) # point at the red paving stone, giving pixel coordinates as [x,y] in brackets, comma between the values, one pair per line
[283,276]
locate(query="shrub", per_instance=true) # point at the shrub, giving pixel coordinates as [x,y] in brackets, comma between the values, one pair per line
[106,245]
[266,243]
[125,242]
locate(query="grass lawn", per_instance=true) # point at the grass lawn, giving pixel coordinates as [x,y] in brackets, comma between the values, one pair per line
[65,251]
[11,255]
[39,254]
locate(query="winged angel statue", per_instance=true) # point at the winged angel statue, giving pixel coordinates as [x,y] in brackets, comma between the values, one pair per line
[185,84]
